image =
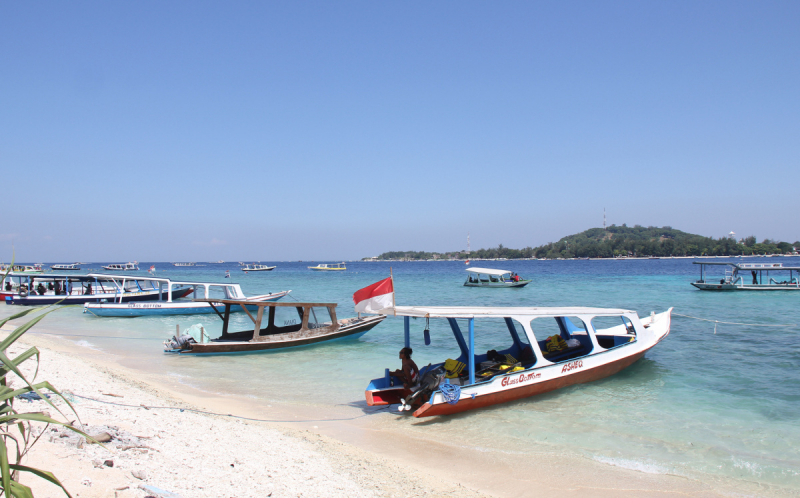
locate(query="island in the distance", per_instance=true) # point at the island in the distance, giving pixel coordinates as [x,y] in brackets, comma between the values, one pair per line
[614,242]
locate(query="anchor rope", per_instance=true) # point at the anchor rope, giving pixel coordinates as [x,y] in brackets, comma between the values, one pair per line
[737,323]
[451,393]
[205,412]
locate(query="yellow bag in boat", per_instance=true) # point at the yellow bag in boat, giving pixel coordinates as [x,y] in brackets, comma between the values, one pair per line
[517,369]
[556,343]
[453,368]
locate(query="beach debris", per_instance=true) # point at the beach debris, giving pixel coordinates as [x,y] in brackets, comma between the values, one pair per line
[31,396]
[102,437]
[108,463]
[86,481]
[112,394]
[139,474]
[158,492]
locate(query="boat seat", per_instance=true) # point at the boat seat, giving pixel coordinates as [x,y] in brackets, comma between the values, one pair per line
[564,354]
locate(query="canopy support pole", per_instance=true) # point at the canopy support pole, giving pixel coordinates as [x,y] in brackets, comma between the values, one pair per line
[407,330]
[471,351]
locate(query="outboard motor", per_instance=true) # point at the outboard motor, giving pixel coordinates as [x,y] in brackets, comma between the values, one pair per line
[183,342]
[429,383]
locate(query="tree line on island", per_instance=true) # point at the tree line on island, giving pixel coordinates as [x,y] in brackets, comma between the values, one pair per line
[617,241]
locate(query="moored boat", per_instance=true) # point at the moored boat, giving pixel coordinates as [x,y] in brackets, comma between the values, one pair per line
[329,267]
[168,304]
[749,277]
[65,267]
[588,344]
[486,277]
[276,326]
[53,288]
[122,266]
[28,269]
[183,264]
[255,267]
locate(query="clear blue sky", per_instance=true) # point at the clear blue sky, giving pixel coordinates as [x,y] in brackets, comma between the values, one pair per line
[336,130]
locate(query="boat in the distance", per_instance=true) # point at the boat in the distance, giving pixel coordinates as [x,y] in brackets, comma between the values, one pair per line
[329,267]
[586,344]
[183,264]
[487,277]
[255,267]
[276,326]
[123,266]
[169,304]
[749,277]
[53,288]
[29,269]
[66,267]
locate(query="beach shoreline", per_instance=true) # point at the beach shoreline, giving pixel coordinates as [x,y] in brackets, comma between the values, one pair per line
[337,438]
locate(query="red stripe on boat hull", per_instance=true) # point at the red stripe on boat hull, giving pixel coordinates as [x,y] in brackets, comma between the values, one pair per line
[482,401]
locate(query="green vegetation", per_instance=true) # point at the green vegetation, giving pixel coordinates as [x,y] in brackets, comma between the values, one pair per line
[618,241]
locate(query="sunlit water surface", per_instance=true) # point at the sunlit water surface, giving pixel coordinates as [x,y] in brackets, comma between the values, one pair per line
[700,404]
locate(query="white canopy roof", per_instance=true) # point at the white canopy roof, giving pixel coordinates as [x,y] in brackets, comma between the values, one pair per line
[498,312]
[488,271]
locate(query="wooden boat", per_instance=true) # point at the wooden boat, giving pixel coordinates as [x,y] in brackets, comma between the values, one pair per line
[288,325]
[73,266]
[749,277]
[122,266]
[255,267]
[589,344]
[486,277]
[169,305]
[329,267]
[53,288]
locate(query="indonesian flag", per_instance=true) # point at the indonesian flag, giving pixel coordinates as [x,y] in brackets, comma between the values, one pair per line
[375,297]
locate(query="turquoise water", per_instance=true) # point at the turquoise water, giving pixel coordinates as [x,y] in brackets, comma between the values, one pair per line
[715,406]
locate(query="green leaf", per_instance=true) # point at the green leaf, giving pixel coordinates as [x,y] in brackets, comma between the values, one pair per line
[5,471]
[43,474]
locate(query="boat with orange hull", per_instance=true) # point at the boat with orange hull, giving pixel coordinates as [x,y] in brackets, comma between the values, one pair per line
[586,344]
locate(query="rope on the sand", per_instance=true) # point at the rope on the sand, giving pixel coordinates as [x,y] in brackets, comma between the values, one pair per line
[738,323]
[204,412]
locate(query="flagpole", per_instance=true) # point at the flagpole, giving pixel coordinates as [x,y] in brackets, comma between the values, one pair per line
[394,306]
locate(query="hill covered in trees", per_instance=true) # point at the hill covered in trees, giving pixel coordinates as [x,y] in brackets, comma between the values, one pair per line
[616,241]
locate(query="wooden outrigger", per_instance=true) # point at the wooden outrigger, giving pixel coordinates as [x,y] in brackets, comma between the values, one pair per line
[288,325]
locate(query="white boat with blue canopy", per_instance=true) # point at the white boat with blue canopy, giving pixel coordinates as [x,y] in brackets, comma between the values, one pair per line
[170,292]
[530,351]
[748,277]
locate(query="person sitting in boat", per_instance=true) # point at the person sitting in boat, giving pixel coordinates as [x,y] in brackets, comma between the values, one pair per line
[40,289]
[8,286]
[755,277]
[88,289]
[409,373]
[515,277]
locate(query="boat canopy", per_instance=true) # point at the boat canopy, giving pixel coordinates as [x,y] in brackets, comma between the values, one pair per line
[488,271]
[751,266]
[496,312]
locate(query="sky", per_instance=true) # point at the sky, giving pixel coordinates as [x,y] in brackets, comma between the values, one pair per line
[272,131]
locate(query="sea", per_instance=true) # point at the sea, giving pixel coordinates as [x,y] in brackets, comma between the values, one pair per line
[717,400]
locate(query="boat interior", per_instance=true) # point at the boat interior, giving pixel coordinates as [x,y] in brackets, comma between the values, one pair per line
[281,318]
[507,348]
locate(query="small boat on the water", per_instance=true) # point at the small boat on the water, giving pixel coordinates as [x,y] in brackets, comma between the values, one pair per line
[276,326]
[53,288]
[183,264]
[486,277]
[749,277]
[329,267]
[122,266]
[588,344]
[168,303]
[73,266]
[28,269]
[255,267]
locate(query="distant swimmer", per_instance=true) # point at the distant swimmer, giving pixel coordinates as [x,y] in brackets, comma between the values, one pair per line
[227,274]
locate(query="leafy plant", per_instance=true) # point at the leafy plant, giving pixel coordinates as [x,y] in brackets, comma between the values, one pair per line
[16,438]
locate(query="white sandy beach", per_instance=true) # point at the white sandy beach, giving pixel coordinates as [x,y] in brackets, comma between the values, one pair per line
[160,447]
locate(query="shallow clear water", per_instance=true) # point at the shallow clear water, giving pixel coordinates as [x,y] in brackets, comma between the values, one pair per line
[699,404]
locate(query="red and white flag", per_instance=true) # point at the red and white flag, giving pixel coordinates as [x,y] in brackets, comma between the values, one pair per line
[375,297]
